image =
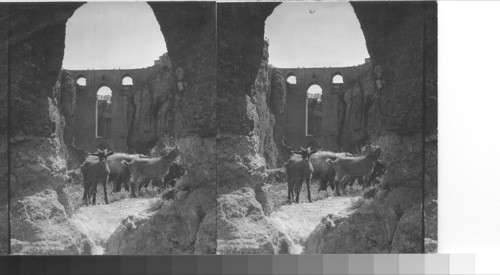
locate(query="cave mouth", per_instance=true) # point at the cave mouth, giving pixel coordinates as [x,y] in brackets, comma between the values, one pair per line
[315,34]
[112,35]
[321,51]
[112,46]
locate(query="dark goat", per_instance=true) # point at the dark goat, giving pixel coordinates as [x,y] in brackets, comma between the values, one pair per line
[321,170]
[119,174]
[95,171]
[298,169]
[378,170]
[175,172]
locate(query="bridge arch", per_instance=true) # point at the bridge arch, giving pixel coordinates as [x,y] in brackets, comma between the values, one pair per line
[127,80]
[291,79]
[81,80]
[337,78]
[313,109]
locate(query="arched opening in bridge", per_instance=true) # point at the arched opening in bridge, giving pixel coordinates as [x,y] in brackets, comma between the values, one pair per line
[292,79]
[103,112]
[127,81]
[313,110]
[81,81]
[338,79]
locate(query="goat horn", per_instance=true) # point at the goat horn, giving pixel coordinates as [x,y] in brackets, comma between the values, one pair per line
[302,148]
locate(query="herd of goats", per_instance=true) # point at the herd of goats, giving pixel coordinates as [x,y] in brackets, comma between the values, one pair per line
[337,170]
[129,170]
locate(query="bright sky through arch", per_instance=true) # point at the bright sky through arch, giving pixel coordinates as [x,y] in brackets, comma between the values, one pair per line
[315,34]
[113,35]
[104,91]
[315,89]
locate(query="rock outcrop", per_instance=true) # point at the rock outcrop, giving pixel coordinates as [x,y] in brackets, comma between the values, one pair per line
[392,223]
[42,117]
[388,111]
[187,225]
[249,97]
[184,226]
[245,143]
[243,228]
[151,109]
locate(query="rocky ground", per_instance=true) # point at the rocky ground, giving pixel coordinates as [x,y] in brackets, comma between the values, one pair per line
[299,220]
[98,222]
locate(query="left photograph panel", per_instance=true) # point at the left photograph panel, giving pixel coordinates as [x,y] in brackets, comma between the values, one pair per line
[112,128]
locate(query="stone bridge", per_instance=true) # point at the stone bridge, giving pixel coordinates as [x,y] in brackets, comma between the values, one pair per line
[331,99]
[86,111]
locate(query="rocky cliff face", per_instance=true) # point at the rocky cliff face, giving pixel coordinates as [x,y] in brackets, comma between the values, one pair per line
[245,108]
[355,111]
[39,221]
[392,222]
[388,111]
[151,109]
[245,125]
[3,142]
[42,119]
[187,225]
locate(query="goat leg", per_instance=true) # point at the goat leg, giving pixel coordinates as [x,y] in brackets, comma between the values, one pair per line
[132,188]
[141,183]
[126,183]
[104,183]
[353,180]
[94,192]
[370,180]
[308,182]
[361,182]
[338,184]
[85,193]
[323,184]
[297,187]
[290,191]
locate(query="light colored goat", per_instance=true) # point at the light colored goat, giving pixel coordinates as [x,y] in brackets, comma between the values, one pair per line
[353,167]
[144,169]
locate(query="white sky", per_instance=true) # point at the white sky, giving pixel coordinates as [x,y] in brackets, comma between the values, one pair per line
[330,36]
[315,89]
[109,35]
[104,90]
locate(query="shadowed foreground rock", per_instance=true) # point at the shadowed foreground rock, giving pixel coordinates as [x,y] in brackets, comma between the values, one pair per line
[185,226]
[243,228]
[42,227]
[389,224]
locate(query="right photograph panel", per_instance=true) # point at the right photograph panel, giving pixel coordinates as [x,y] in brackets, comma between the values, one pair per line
[327,127]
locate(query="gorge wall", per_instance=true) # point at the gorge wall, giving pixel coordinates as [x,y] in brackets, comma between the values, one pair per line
[225,100]
[140,112]
[39,218]
[345,107]
[398,35]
